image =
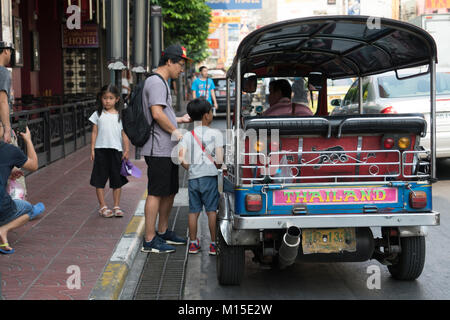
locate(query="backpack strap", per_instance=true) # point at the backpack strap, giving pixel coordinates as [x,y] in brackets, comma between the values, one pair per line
[200,143]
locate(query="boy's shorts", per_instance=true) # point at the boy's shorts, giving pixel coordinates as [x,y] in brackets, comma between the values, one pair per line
[107,164]
[203,192]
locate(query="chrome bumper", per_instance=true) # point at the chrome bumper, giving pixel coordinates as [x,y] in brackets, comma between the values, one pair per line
[337,221]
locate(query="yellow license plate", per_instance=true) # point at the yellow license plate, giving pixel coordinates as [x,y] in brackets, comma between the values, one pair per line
[328,240]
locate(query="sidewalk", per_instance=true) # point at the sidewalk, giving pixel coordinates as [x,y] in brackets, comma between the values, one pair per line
[70,232]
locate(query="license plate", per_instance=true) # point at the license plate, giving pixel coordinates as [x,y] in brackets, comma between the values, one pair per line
[328,240]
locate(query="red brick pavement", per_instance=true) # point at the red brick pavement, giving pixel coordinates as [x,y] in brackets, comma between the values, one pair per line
[70,232]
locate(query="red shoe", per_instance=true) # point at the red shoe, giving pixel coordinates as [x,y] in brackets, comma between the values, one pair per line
[212,249]
[194,247]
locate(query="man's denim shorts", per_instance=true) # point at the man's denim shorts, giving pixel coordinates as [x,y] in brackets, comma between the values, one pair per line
[203,192]
[23,207]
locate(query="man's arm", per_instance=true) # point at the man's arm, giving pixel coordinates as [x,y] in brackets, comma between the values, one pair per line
[4,116]
[213,95]
[160,117]
[32,162]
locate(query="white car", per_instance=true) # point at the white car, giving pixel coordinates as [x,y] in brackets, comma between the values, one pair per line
[385,93]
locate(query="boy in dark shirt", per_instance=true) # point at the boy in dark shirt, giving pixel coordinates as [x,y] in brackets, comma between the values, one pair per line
[15,213]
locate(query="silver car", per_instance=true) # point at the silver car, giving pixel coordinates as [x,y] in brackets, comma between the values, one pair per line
[385,93]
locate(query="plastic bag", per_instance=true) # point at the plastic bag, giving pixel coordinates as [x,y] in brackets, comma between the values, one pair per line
[15,189]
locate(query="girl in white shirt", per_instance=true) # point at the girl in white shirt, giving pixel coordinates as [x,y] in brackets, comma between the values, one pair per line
[109,146]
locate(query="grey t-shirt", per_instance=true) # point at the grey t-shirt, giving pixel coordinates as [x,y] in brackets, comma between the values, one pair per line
[5,84]
[155,93]
[199,163]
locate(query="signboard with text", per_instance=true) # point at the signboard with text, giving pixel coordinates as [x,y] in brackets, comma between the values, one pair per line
[234,4]
[86,37]
[213,43]
[437,4]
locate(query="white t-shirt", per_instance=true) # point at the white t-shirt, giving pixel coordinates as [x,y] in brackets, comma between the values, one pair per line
[109,131]
[199,163]
[125,83]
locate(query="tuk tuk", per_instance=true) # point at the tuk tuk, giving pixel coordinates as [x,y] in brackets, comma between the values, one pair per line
[314,188]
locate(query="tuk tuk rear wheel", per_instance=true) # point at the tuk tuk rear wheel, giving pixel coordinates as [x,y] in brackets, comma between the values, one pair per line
[230,261]
[410,262]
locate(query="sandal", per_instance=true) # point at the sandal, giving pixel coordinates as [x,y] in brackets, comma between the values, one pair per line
[118,212]
[105,212]
[4,251]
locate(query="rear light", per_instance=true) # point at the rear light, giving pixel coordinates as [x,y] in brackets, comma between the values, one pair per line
[418,199]
[404,143]
[389,143]
[389,109]
[259,146]
[253,202]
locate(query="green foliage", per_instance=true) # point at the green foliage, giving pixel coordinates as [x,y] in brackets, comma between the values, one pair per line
[186,22]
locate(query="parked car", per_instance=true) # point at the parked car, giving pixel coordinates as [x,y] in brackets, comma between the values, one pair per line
[385,93]
[221,95]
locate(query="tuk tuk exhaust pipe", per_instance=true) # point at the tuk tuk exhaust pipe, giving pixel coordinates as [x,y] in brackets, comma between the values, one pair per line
[289,247]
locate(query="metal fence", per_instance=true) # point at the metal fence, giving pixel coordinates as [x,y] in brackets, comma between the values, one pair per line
[57,131]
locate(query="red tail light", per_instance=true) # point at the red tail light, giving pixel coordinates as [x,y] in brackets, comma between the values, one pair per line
[388,143]
[389,109]
[253,202]
[418,199]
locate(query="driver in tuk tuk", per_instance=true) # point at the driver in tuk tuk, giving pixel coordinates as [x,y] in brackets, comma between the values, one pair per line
[280,92]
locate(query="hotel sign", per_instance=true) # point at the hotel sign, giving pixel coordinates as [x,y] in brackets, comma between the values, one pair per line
[86,37]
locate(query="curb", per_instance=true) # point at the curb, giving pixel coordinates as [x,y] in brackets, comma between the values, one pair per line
[110,283]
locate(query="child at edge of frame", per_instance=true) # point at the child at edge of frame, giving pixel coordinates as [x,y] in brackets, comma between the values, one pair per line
[109,147]
[197,150]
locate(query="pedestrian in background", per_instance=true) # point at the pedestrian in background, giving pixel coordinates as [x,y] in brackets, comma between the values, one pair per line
[162,171]
[14,213]
[204,87]
[109,147]
[197,151]
[126,85]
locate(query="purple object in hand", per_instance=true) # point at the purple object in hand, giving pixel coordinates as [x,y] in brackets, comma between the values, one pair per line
[129,169]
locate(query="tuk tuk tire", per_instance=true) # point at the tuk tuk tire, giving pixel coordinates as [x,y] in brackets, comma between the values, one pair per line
[410,262]
[230,262]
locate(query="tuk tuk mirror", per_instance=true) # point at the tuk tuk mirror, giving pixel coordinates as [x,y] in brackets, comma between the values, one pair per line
[315,81]
[249,83]
[336,102]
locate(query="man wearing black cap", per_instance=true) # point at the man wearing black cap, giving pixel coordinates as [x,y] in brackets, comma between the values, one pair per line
[5,88]
[162,171]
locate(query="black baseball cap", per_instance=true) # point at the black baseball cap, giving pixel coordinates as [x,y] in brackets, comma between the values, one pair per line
[6,45]
[176,50]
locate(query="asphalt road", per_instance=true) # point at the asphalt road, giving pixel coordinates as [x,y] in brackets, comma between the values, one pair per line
[331,281]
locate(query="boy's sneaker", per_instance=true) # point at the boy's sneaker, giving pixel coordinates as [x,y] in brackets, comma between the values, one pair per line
[171,238]
[157,245]
[194,247]
[212,249]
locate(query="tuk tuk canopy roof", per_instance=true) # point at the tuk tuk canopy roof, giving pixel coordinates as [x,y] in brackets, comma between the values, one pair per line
[337,46]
